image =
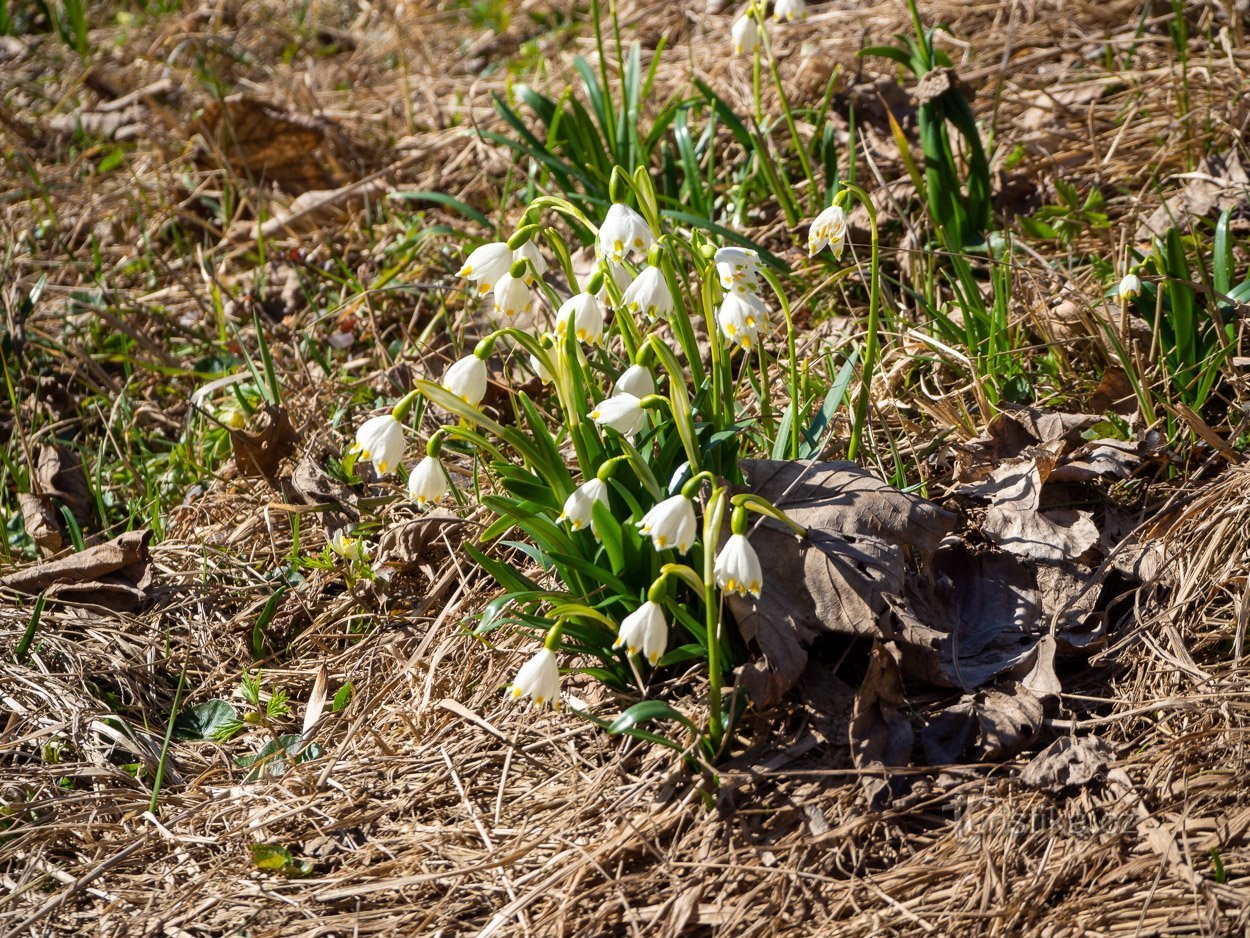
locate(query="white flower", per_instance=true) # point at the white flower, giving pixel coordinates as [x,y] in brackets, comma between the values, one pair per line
[671,523]
[529,252]
[541,370]
[635,380]
[649,295]
[381,441]
[487,264]
[512,296]
[738,269]
[467,379]
[789,9]
[349,548]
[1130,287]
[587,317]
[539,679]
[828,230]
[645,628]
[427,483]
[745,34]
[737,567]
[740,317]
[622,412]
[623,232]
[578,508]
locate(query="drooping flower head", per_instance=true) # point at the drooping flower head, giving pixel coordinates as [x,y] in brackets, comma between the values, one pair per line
[512,296]
[485,265]
[622,412]
[427,483]
[529,252]
[635,380]
[380,440]
[1130,287]
[738,269]
[623,232]
[538,679]
[540,370]
[741,317]
[671,523]
[584,311]
[649,295]
[737,568]
[827,230]
[578,508]
[466,379]
[644,629]
[745,34]
[789,9]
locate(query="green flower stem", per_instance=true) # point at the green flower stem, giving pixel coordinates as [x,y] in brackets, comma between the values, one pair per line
[712,518]
[552,640]
[763,506]
[402,409]
[681,321]
[685,573]
[871,344]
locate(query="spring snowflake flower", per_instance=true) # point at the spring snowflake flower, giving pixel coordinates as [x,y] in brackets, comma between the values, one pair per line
[538,679]
[789,9]
[740,318]
[828,230]
[540,370]
[1129,288]
[529,252]
[671,523]
[738,269]
[649,295]
[737,568]
[622,412]
[485,265]
[623,232]
[427,483]
[467,380]
[578,508]
[586,315]
[381,441]
[349,548]
[745,34]
[635,380]
[512,296]
[645,628]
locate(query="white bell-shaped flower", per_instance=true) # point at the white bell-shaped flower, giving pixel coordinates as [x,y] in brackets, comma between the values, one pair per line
[738,269]
[380,440]
[649,295]
[671,523]
[540,370]
[737,568]
[427,483]
[827,230]
[578,508]
[1129,288]
[635,380]
[512,296]
[485,265]
[740,317]
[645,629]
[789,9]
[584,311]
[745,34]
[622,412]
[347,547]
[622,233]
[538,679]
[467,379]
[529,252]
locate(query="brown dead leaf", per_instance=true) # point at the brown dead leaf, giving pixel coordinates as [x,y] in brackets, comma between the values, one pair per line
[260,454]
[1219,183]
[115,574]
[836,578]
[989,725]
[421,540]
[311,485]
[59,474]
[317,209]
[881,735]
[1068,762]
[41,523]
[264,142]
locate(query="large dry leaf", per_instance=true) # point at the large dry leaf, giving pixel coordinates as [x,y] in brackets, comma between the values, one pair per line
[421,540]
[115,575]
[1068,762]
[41,523]
[317,209]
[837,577]
[260,454]
[881,735]
[265,143]
[59,473]
[311,485]
[989,725]
[1015,521]
[1219,183]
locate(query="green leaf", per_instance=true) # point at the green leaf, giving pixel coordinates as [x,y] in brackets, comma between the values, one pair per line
[270,856]
[342,697]
[206,720]
[645,711]
[441,198]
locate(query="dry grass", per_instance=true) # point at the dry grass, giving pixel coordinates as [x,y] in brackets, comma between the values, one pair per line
[435,807]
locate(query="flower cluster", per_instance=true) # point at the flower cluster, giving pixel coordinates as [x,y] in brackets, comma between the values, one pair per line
[742,313]
[747,30]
